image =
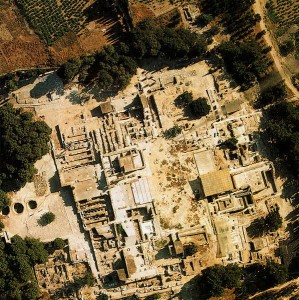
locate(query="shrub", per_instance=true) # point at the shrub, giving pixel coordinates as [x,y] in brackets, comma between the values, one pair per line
[46,219]
[172,132]
[286,47]
[200,107]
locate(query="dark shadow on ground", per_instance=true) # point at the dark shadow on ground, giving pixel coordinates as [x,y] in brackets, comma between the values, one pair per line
[54,183]
[163,254]
[48,84]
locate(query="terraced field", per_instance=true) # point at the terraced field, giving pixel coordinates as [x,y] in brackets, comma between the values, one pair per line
[284,16]
[52,19]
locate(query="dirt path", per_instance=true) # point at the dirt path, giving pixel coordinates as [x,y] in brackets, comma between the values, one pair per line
[286,75]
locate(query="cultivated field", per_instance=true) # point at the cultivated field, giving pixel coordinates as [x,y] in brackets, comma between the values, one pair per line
[48,33]
[283,17]
[19,47]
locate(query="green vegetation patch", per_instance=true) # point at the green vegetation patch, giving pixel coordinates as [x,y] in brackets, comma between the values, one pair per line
[22,142]
[17,280]
[52,19]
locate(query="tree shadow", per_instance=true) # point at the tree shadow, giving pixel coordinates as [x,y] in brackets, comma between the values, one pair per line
[47,85]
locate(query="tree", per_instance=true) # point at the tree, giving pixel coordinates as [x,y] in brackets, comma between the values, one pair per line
[1,226]
[190,249]
[273,220]
[102,297]
[4,200]
[46,219]
[230,144]
[36,251]
[272,94]
[22,142]
[204,19]
[280,127]
[184,99]
[17,280]
[245,61]
[286,47]
[263,225]
[275,273]
[200,107]
[172,132]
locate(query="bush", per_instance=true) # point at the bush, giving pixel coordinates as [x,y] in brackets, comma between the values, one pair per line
[1,226]
[204,19]
[183,99]
[230,144]
[190,249]
[286,47]
[200,107]
[273,94]
[46,219]
[4,200]
[172,132]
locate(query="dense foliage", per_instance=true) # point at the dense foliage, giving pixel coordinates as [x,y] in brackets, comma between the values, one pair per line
[113,67]
[148,40]
[46,219]
[200,107]
[245,61]
[272,94]
[230,144]
[172,132]
[245,281]
[260,277]
[216,278]
[22,142]
[280,131]
[4,200]
[17,259]
[263,225]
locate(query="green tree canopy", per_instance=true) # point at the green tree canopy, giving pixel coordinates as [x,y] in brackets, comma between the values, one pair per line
[184,99]
[216,278]
[272,94]
[200,107]
[245,61]
[4,200]
[17,280]
[46,219]
[22,142]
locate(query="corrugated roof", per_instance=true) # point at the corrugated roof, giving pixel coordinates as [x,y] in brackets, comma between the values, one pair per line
[216,182]
[141,191]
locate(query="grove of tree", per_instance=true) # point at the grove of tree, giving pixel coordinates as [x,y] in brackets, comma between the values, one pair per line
[280,132]
[23,141]
[17,280]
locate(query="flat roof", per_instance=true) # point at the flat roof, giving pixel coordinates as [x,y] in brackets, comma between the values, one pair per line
[141,191]
[205,162]
[217,182]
